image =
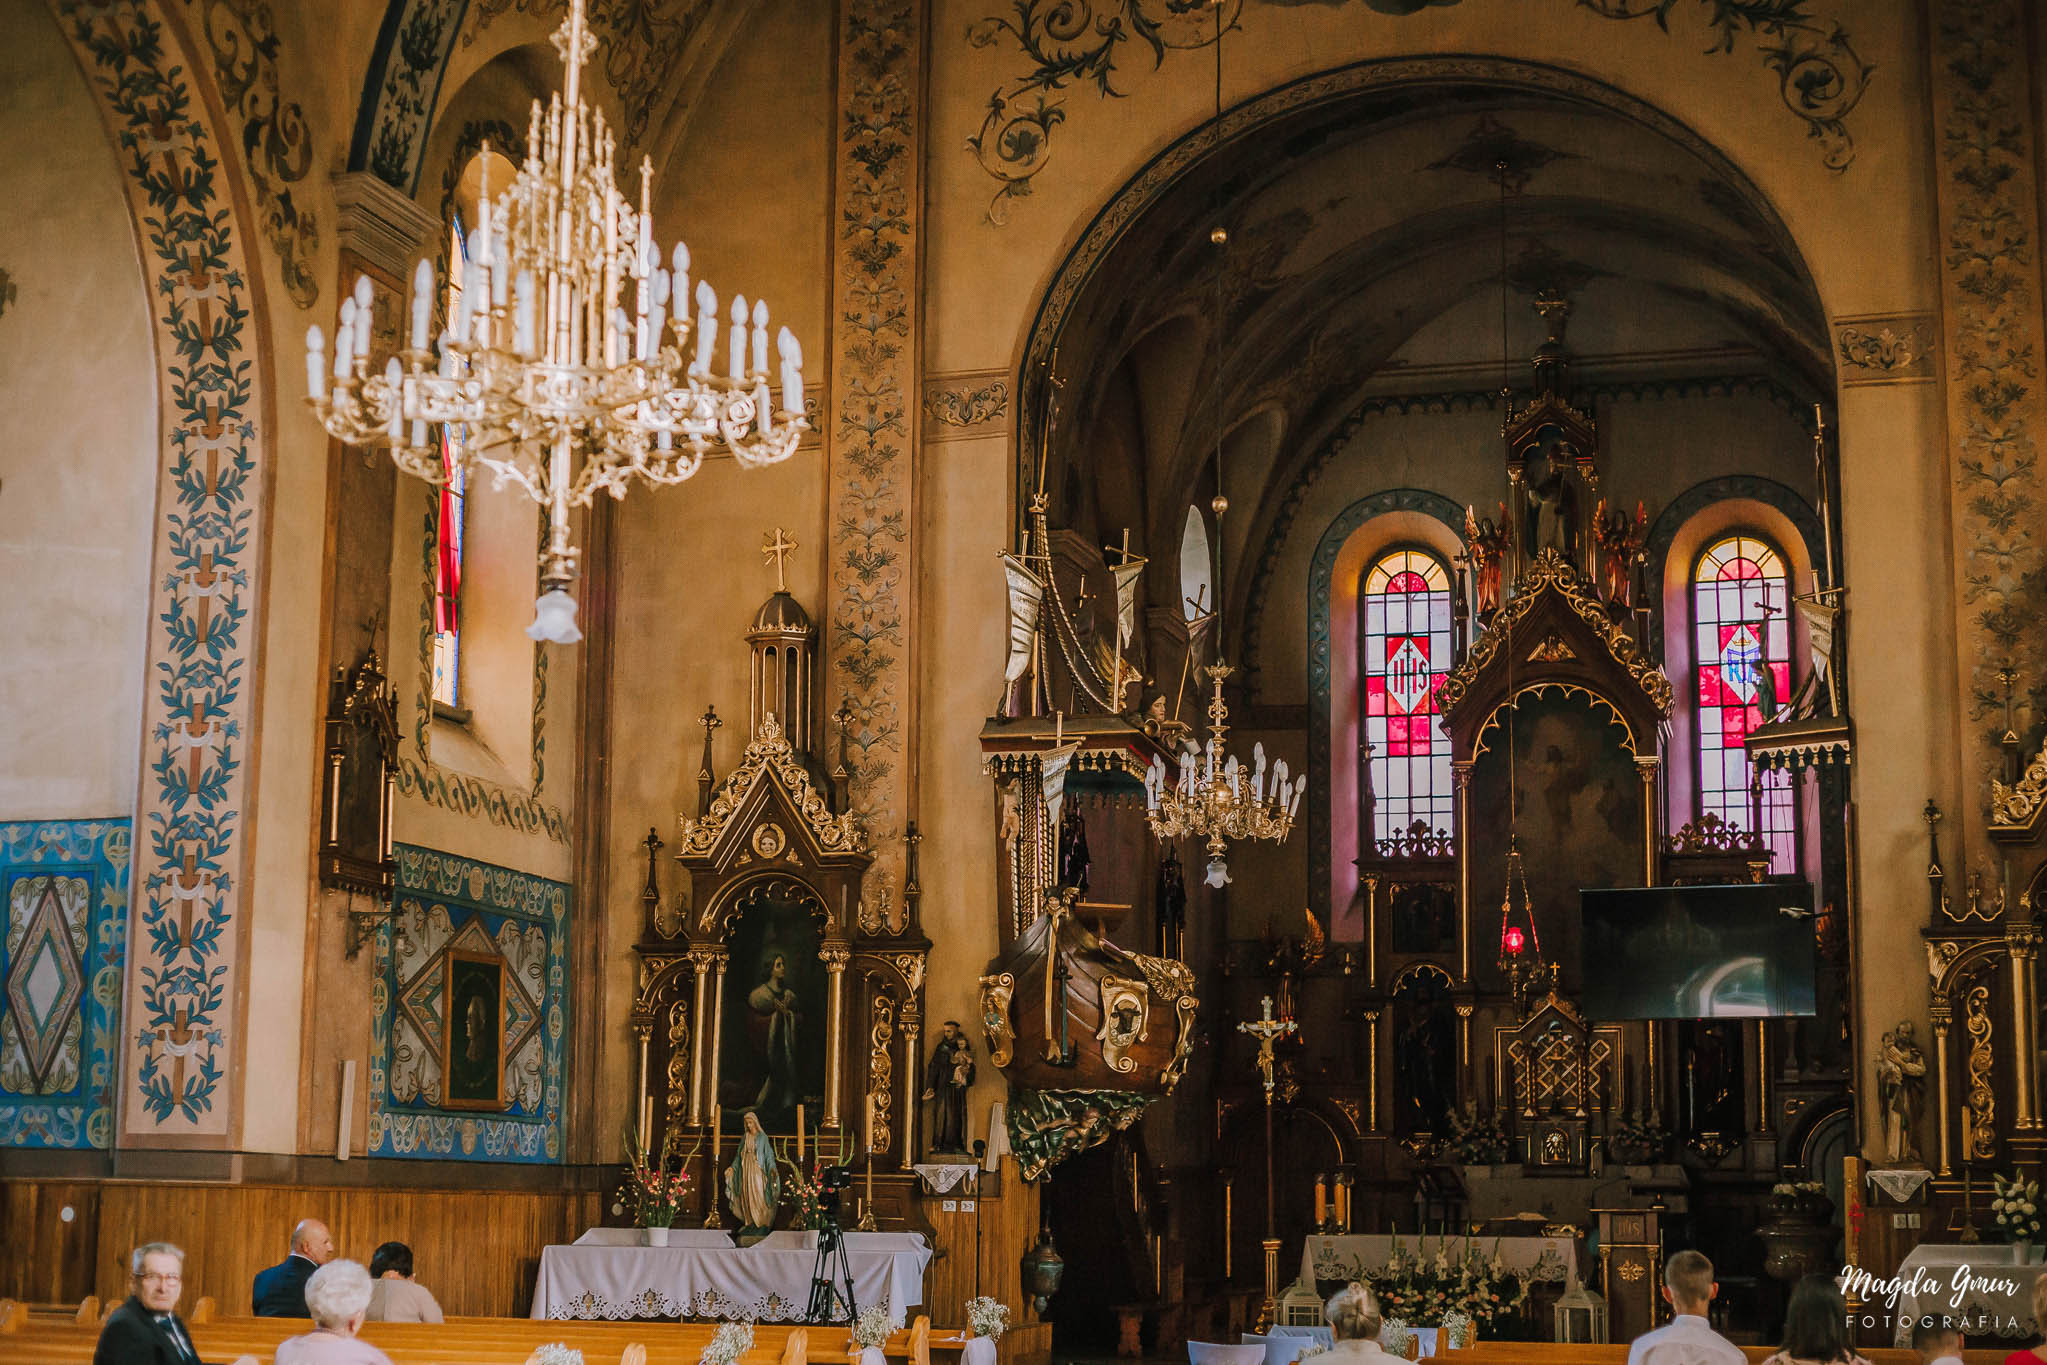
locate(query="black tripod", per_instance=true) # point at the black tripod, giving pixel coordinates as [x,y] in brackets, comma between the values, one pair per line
[831,1279]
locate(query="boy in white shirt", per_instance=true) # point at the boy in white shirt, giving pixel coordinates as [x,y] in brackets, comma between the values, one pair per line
[1936,1342]
[1688,1339]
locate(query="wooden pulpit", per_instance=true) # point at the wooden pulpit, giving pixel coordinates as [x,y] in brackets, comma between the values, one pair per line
[1631,1269]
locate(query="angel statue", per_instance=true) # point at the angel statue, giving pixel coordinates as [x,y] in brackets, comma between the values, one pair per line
[1620,546]
[1488,546]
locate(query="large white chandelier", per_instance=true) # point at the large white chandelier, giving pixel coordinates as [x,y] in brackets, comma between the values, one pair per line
[568,359]
[1214,797]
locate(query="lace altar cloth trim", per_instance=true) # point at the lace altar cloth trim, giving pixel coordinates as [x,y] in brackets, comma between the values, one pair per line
[939,1177]
[730,1284]
[1899,1185]
[1983,1301]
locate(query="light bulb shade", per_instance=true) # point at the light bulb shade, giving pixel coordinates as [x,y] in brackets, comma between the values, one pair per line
[554,618]
[1512,942]
[1218,873]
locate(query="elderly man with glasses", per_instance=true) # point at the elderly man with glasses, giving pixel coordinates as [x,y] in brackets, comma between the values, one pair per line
[146,1330]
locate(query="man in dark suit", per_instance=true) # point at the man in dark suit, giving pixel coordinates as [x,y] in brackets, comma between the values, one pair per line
[280,1291]
[146,1330]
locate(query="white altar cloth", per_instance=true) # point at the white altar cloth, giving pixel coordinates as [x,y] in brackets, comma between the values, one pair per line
[1548,1259]
[1990,1310]
[637,1237]
[768,1282]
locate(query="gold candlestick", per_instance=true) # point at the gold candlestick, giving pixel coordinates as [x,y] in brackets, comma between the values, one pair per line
[866,1223]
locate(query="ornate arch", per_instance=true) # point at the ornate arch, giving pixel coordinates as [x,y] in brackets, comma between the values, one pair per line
[1093,243]
[1321,571]
[188,933]
[737,896]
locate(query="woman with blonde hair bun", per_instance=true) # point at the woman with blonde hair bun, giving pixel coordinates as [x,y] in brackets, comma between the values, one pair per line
[1353,1316]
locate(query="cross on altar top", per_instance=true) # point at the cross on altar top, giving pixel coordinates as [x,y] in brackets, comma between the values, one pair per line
[777,548]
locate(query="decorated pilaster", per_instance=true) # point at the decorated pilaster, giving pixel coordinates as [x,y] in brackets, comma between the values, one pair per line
[871,434]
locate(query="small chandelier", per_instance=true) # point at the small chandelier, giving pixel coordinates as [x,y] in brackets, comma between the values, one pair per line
[1214,797]
[568,359]
[1521,960]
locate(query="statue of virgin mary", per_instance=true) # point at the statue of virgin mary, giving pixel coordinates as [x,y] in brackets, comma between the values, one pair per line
[753,1185]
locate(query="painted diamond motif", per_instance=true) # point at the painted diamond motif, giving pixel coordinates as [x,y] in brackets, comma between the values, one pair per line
[1741,655]
[1407,675]
[45,982]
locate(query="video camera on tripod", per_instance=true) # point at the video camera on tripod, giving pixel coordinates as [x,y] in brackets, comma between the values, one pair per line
[831,1280]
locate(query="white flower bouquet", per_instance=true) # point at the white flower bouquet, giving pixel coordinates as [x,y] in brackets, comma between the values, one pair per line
[987,1317]
[2016,1203]
[1456,1329]
[871,1328]
[555,1353]
[731,1341]
[1395,1338]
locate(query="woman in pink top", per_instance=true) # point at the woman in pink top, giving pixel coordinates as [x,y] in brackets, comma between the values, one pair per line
[338,1295]
[393,1295]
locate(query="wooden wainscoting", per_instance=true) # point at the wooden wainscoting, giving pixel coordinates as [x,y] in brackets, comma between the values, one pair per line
[475,1249]
[984,1249]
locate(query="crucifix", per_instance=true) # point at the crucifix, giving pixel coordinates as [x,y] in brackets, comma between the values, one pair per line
[1268,1030]
[777,548]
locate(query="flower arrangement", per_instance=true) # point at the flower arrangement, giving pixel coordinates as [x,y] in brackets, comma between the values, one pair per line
[1313,1348]
[806,1192]
[1420,1286]
[556,1353]
[651,1191]
[1395,1338]
[1456,1329]
[731,1341]
[871,1328]
[2017,1206]
[1636,1139]
[1804,1198]
[1480,1139]
[987,1317]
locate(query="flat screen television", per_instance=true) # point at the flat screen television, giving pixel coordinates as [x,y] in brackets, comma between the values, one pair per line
[1699,952]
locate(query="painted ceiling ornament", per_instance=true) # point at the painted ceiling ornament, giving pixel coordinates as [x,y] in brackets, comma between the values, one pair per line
[1492,150]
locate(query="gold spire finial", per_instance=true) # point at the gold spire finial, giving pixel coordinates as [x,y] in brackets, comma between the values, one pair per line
[777,548]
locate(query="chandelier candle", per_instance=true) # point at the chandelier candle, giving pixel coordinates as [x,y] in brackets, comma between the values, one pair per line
[564,359]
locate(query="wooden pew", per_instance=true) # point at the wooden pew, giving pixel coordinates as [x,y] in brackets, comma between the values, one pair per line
[489,1341]
[1616,1353]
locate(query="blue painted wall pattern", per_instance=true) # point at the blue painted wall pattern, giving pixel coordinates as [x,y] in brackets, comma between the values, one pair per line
[450,904]
[184,938]
[65,887]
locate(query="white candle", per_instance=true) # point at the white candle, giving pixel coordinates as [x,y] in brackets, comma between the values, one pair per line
[717,1132]
[680,261]
[799,1134]
[735,351]
[707,328]
[362,294]
[394,377]
[316,363]
[792,372]
[341,338]
[760,337]
[522,314]
[422,302]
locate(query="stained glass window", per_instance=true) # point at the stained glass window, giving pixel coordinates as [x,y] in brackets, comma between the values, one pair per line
[448,520]
[1742,650]
[1405,638]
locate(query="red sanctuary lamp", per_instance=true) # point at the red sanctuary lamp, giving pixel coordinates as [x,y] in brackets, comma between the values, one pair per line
[1521,960]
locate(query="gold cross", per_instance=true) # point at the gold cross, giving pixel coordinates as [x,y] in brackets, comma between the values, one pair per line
[777,548]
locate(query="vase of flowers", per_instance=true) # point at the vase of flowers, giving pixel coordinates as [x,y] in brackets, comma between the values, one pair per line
[731,1341]
[806,1192]
[1636,1140]
[1424,1286]
[987,1319]
[1458,1333]
[1476,1139]
[2016,1203]
[653,1193]
[870,1334]
[1396,1339]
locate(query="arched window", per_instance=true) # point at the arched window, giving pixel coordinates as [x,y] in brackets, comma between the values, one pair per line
[448,520]
[1742,650]
[1404,638]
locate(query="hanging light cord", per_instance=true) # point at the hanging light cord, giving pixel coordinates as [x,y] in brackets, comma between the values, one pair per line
[1506,411]
[1219,235]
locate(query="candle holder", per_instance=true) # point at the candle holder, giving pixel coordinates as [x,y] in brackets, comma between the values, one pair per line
[866,1223]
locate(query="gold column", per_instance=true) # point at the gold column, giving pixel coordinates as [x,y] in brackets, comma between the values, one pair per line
[1460,775]
[913,1024]
[1647,768]
[1372,931]
[1464,1086]
[700,958]
[1649,1073]
[1764,1125]
[717,1021]
[2023,943]
[1371,1071]
[643,1029]
[1941,1015]
[835,956]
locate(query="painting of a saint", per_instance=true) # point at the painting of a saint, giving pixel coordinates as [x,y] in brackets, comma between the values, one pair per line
[773,1055]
